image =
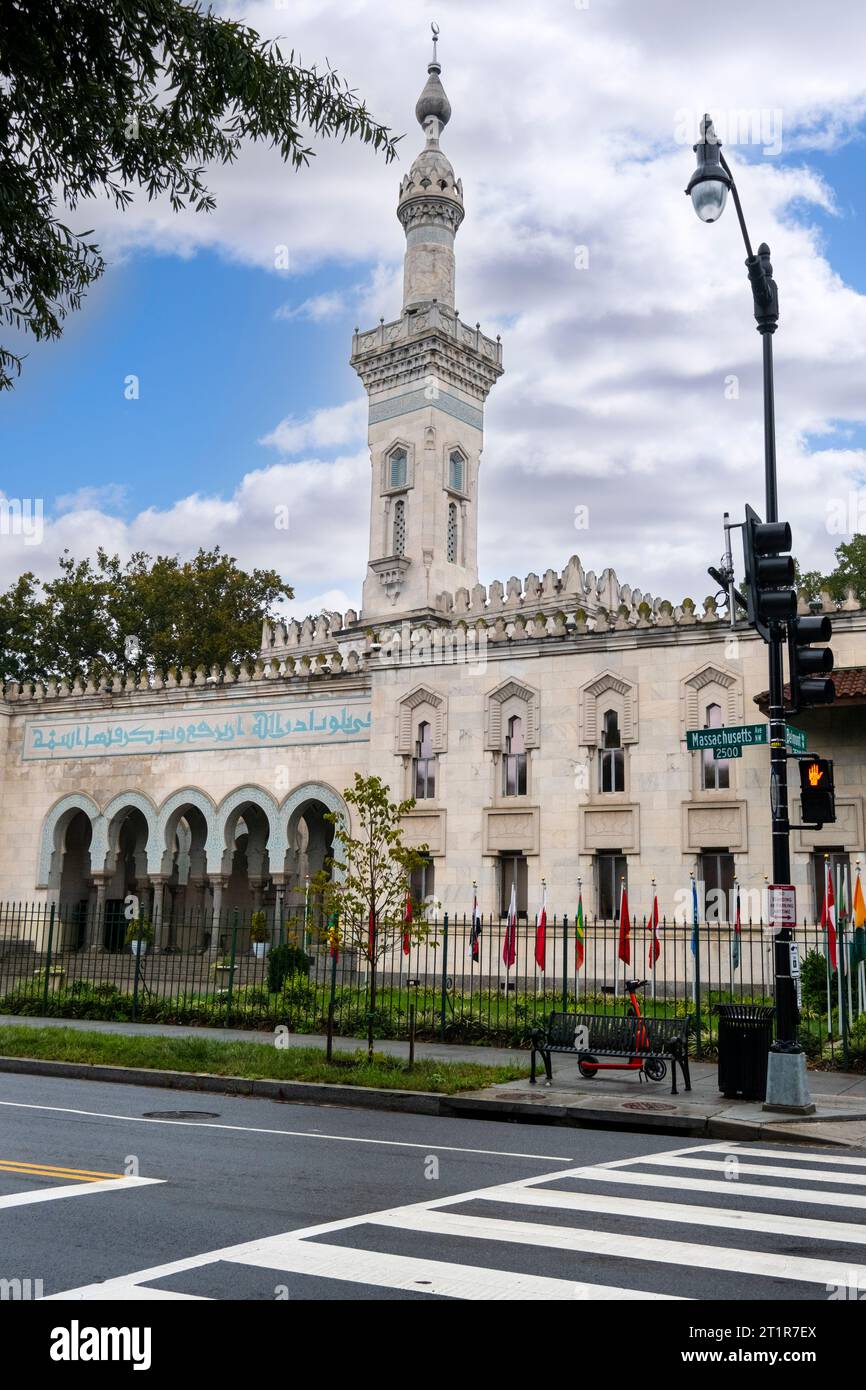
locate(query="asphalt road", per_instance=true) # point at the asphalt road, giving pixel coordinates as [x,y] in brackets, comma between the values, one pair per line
[122,1192]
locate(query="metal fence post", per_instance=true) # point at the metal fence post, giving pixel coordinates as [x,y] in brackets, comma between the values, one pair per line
[698,1043]
[444,975]
[48,958]
[332,1003]
[565,962]
[232,966]
[135,947]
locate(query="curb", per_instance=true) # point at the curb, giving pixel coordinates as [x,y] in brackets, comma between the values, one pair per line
[405,1102]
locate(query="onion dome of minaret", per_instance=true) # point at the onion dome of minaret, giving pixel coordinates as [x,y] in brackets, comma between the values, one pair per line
[430,194]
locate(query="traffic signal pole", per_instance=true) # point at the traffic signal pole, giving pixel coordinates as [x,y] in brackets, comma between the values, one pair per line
[787,1087]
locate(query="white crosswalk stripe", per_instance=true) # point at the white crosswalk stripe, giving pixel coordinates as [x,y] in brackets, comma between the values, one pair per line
[620,1245]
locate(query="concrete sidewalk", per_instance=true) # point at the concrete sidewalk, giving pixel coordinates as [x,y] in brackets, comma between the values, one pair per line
[617,1100]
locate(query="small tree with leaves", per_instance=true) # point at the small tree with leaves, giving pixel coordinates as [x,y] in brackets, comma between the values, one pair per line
[364,886]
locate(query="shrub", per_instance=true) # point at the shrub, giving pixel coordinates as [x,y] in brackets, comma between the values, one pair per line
[284,961]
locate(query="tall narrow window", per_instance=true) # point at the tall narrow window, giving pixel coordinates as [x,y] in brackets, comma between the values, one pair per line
[452,533]
[514,761]
[717,872]
[715,774]
[397,468]
[456,467]
[425,764]
[423,880]
[611,869]
[399,527]
[513,869]
[611,756]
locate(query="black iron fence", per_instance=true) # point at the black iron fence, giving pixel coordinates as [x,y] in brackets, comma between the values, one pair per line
[70,961]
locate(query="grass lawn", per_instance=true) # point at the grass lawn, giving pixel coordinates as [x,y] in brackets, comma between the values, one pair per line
[252,1060]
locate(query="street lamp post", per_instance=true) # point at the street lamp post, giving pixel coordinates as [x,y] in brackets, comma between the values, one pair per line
[708,188]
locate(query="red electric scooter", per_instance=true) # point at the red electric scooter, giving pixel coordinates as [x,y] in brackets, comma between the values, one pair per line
[653,1068]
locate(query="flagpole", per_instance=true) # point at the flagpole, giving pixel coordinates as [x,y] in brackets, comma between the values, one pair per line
[654,930]
[306,913]
[840,987]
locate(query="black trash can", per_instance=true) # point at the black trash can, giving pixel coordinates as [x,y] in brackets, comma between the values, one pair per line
[745,1035]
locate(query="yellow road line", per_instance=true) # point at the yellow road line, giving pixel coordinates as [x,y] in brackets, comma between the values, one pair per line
[11,1165]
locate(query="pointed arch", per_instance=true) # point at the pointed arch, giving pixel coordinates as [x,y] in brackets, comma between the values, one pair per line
[255,796]
[54,828]
[166,820]
[106,828]
[711,683]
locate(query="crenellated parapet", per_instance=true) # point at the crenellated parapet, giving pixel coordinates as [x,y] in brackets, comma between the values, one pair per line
[556,608]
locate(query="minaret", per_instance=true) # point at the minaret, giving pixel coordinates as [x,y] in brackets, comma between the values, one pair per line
[427,376]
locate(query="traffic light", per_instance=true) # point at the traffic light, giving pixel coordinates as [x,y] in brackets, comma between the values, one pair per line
[770,573]
[810,666]
[817,793]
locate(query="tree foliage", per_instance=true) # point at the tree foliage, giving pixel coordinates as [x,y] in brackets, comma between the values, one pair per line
[365,885]
[102,97]
[850,573]
[197,612]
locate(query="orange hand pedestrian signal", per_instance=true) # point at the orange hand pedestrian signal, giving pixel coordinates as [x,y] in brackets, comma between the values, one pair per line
[817,793]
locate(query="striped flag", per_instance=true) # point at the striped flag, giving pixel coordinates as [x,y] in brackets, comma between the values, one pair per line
[735,944]
[475,933]
[579,933]
[541,932]
[695,917]
[624,927]
[858,952]
[828,916]
[509,946]
[655,949]
[407,924]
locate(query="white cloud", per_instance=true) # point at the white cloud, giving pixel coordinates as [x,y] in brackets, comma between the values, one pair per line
[317,309]
[328,428]
[616,393]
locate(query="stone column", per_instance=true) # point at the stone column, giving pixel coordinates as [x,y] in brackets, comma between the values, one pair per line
[96,923]
[218,883]
[157,884]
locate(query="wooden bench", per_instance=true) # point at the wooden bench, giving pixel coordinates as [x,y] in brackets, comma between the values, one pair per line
[614,1035]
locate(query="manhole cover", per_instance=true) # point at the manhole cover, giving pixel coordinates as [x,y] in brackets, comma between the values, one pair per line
[647,1105]
[181,1115]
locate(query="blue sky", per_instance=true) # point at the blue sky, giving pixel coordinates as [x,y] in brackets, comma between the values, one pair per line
[613,394]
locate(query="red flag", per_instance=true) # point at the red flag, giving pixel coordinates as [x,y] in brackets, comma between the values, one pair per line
[509,946]
[624,928]
[541,933]
[407,922]
[828,917]
[655,949]
[475,934]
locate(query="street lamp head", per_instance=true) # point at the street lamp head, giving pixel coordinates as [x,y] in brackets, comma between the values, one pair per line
[709,184]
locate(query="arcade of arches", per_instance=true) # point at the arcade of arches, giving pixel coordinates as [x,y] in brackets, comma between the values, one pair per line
[191,864]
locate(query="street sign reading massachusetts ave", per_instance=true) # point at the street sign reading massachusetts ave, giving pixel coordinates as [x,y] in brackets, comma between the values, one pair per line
[730,742]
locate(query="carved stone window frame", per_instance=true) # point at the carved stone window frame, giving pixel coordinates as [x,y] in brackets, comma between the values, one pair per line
[418,704]
[608,691]
[711,684]
[509,698]
[456,446]
[385,488]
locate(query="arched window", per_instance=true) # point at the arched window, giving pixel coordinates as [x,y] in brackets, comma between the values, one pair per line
[715,775]
[399,527]
[456,471]
[514,761]
[424,764]
[611,755]
[452,533]
[397,469]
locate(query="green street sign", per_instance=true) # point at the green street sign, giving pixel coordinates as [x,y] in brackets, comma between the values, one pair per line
[795,739]
[730,742]
[735,736]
